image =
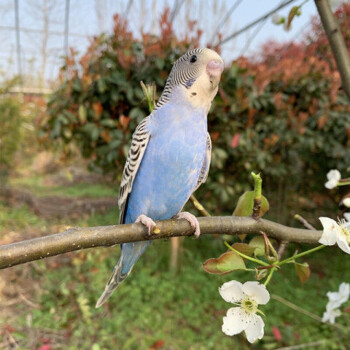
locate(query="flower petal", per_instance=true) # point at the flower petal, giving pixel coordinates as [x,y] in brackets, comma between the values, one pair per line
[255,329]
[331,184]
[334,175]
[343,244]
[344,291]
[347,215]
[330,315]
[231,291]
[233,321]
[332,304]
[256,291]
[330,231]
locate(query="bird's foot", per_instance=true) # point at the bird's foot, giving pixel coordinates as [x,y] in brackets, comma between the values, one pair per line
[149,223]
[192,220]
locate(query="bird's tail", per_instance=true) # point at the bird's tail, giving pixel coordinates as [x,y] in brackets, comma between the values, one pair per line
[116,278]
[130,254]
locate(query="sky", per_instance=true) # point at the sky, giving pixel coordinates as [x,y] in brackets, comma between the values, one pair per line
[92,17]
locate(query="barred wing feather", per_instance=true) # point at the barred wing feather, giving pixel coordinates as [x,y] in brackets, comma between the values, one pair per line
[206,164]
[139,143]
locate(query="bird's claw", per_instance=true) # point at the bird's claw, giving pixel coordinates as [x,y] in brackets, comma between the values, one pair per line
[149,223]
[192,220]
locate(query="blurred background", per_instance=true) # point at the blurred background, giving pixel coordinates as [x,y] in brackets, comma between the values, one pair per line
[70,98]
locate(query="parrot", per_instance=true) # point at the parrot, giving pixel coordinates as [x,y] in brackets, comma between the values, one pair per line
[169,156]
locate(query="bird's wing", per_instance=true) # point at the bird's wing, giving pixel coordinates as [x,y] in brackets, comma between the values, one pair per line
[139,143]
[206,164]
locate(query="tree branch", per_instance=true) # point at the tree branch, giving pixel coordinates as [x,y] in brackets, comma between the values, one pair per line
[102,236]
[336,40]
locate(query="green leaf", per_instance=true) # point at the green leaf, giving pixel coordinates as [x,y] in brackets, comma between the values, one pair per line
[76,85]
[136,113]
[258,243]
[67,133]
[246,202]
[82,114]
[108,122]
[101,86]
[226,263]
[303,271]
[114,144]
[295,11]
[95,133]
[244,248]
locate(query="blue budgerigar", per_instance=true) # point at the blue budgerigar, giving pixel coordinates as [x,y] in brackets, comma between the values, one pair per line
[170,154]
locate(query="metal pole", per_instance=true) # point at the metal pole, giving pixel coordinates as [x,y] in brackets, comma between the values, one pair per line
[66,28]
[18,43]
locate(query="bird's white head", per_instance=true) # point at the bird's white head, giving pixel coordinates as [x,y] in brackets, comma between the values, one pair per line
[196,76]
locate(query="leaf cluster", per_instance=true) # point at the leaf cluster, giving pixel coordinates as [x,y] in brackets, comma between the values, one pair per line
[283,115]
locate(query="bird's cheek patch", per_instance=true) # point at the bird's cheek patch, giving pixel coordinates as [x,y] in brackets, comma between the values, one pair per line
[189,83]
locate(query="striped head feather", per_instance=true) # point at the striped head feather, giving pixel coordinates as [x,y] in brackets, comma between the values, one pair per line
[197,74]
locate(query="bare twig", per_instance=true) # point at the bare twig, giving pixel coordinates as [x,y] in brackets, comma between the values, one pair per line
[336,40]
[307,313]
[256,208]
[304,222]
[87,237]
[281,249]
[254,23]
[199,206]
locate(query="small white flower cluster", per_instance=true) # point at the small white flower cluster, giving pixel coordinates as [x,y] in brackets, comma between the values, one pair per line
[346,203]
[333,177]
[244,316]
[336,233]
[336,299]
[277,19]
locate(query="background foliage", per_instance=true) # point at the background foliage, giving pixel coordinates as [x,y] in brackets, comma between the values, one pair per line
[9,129]
[283,115]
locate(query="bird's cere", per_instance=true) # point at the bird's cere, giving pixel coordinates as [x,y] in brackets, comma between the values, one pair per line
[215,67]
[243,317]
[336,233]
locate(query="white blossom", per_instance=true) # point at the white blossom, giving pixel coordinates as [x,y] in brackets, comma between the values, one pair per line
[330,314]
[346,202]
[333,177]
[340,297]
[336,299]
[243,317]
[334,233]
[277,19]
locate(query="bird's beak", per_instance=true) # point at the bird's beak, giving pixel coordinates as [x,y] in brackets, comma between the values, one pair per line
[215,68]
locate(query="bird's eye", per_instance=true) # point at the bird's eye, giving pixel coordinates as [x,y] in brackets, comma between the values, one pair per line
[193,59]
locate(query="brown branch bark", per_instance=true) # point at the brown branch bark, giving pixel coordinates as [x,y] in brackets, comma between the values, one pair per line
[336,40]
[88,237]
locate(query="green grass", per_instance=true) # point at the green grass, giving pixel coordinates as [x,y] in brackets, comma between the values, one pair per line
[37,187]
[180,310]
[18,218]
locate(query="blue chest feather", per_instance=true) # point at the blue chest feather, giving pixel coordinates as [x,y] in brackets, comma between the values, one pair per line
[172,162]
